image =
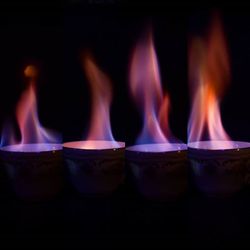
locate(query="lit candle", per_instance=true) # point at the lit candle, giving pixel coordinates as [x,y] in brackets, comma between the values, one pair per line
[218,163]
[96,165]
[159,167]
[34,164]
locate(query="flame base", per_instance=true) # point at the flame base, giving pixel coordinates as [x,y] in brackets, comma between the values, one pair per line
[159,171]
[34,170]
[219,170]
[95,168]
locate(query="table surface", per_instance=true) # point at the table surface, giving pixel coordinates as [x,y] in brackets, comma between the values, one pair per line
[126,220]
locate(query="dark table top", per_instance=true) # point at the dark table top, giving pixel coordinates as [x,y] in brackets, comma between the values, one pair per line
[126,220]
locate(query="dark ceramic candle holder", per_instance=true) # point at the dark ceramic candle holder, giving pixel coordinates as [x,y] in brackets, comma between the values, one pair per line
[159,170]
[219,167]
[95,168]
[34,170]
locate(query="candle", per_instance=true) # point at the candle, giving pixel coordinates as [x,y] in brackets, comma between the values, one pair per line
[96,165]
[218,163]
[158,166]
[33,164]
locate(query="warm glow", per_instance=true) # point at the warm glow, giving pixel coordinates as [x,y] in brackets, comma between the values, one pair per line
[27,117]
[209,75]
[145,86]
[101,90]
[31,71]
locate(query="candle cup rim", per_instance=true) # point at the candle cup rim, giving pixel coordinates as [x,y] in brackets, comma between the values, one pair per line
[40,148]
[237,145]
[178,147]
[156,156]
[112,145]
[229,153]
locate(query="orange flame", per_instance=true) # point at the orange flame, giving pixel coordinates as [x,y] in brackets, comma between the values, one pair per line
[145,85]
[27,116]
[101,89]
[209,75]
[163,116]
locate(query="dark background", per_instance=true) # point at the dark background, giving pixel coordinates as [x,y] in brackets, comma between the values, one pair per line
[53,36]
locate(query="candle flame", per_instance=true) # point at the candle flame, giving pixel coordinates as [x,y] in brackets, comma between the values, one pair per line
[101,90]
[146,90]
[27,116]
[209,75]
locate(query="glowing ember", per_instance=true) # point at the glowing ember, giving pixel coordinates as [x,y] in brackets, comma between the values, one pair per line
[209,74]
[145,86]
[27,116]
[100,128]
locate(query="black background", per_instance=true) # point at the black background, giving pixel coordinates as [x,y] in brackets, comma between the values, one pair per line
[53,37]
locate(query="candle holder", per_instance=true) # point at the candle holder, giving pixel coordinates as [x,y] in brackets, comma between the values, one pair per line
[34,170]
[219,171]
[159,170]
[95,168]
